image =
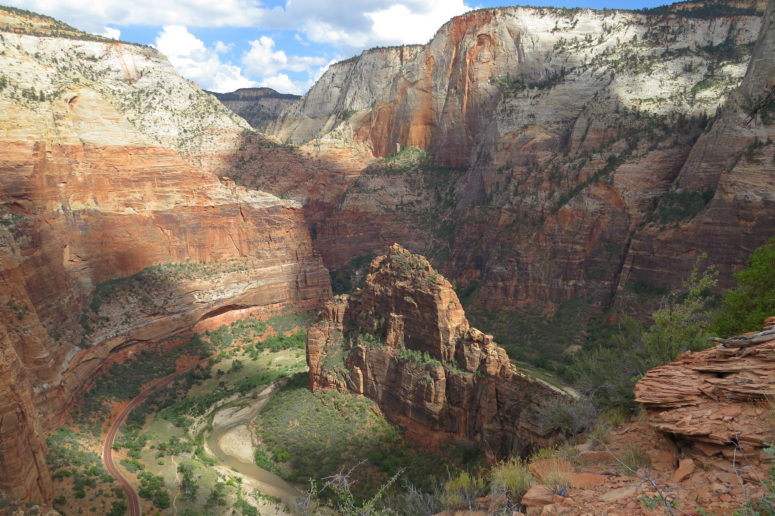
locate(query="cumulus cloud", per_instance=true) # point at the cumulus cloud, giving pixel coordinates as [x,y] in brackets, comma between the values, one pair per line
[282,83]
[110,32]
[189,55]
[341,27]
[347,24]
[263,60]
[92,16]
[400,24]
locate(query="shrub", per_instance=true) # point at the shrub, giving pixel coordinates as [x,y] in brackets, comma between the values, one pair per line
[568,418]
[511,477]
[152,488]
[118,509]
[557,479]
[679,206]
[460,492]
[633,458]
[745,307]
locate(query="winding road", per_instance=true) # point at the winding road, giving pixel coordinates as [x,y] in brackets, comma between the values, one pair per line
[133,500]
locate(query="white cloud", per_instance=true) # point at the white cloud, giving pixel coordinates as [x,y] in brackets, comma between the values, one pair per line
[400,24]
[262,60]
[189,55]
[110,32]
[350,25]
[282,83]
[223,48]
[92,16]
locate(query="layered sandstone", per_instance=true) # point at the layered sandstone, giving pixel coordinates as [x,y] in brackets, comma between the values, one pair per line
[404,341]
[582,148]
[718,396]
[109,237]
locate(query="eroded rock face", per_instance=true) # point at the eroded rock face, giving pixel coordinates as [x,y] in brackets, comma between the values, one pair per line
[109,238]
[718,396]
[585,159]
[404,341]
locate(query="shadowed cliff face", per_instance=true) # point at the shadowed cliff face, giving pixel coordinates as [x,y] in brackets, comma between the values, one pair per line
[109,238]
[258,106]
[404,341]
[591,155]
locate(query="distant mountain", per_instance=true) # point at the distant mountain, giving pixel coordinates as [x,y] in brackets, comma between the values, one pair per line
[258,106]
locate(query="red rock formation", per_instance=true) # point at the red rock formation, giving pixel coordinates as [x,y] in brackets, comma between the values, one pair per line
[718,396]
[581,141]
[89,198]
[404,341]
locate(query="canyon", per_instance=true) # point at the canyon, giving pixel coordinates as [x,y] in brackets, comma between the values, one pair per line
[566,154]
[537,156]
[110,239]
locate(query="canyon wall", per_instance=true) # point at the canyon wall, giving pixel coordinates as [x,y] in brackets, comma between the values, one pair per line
[109,238]
[403,340]
[572,154]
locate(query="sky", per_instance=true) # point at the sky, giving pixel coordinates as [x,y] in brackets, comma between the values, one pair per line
[223,45]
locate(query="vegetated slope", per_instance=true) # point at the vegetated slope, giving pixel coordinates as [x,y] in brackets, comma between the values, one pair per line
[258,106]
[108,237]
[575,155]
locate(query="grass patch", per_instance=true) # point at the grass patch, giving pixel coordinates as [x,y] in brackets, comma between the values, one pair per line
[322,432]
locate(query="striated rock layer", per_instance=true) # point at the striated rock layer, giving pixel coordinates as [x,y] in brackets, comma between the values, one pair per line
[718,396]
[575,154]
[109,238]
[404,341]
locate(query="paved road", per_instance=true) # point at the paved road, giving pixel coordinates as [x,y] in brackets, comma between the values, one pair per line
[107,450]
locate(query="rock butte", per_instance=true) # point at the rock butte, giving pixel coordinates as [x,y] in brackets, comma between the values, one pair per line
[403,340]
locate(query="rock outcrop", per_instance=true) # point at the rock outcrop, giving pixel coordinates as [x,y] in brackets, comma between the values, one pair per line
[717,397]
[258,106]
[403,340]
[109,237]
[586,155]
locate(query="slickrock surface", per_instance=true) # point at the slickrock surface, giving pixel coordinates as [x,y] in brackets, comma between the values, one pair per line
[404,341]
[719,396]
[109,238]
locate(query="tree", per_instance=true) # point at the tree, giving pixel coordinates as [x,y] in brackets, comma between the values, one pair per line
[745,307]
[608,372]
[683,322]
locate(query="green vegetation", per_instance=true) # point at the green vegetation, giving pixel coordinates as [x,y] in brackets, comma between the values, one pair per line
[607,370]
[532,336]
[152,488]
[316,434]
[745,307]
[71,461]
[679,206]
[511,478]
[417,357]
[461,490]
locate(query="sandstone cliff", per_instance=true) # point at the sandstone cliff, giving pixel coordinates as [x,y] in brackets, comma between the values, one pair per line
[404,341]
[109,238]
[258,106]
[574,154]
